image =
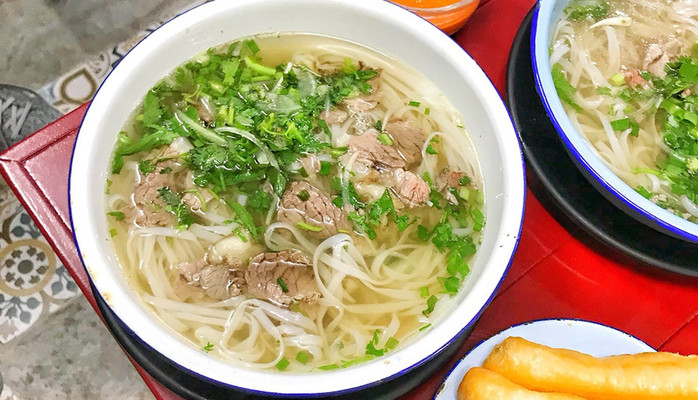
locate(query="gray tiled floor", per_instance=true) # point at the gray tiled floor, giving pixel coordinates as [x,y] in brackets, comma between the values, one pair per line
[68,354]
[42,39]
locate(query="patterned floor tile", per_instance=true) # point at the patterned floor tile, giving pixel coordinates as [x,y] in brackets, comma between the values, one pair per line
[33,281]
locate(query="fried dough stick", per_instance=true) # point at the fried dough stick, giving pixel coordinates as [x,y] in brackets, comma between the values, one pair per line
[482,384]
[644,376]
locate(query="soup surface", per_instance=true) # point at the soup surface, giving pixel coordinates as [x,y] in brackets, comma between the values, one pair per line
[295,202]
[626,71]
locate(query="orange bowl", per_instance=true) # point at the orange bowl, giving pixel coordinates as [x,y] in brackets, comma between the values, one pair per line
[448,15]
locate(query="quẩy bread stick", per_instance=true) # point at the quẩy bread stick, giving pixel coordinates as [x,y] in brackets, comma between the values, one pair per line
[644,376]
[481,384]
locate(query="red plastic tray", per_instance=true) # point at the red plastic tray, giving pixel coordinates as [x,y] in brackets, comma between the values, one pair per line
[553,275]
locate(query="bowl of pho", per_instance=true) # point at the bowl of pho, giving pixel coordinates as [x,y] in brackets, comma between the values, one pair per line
[619,80]
[281,201]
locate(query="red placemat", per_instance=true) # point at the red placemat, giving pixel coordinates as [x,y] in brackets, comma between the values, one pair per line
[553,275]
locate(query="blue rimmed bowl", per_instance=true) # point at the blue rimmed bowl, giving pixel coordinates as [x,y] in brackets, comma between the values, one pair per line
[379,25]
[612,187]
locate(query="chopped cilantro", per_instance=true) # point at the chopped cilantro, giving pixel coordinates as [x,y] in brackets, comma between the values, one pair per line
[208,347]
[335,152]
[282,284]
[284,122]
[430,150]
[583,9]
[117,214]
[348,193]
[252,45]
[125,145]
[239,232]
[244,218]
[259,201]
[644,192]
[146,166]
[423,232]
[620,124]
[380,207]
[427,178]
[361,224]
[325,168]
[385,139]
[371,349]
[634,129]
[176,207]
[563,87]
[113,232]
[402,221]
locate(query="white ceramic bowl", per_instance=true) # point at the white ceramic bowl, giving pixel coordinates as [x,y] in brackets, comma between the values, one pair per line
[590,164]
[376,24]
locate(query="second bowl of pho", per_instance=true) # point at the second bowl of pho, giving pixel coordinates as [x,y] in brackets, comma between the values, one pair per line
[618,79]
[291,196]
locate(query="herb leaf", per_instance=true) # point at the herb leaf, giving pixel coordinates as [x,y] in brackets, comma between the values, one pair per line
[176,207]
[563,87]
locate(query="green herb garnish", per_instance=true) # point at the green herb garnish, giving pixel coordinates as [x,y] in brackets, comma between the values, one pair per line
[325,168]
[563,87]
[424,292]
[620,124]
[282,283]
[302,357]
[431,302]
[303,195]
[177,207]
[583,9]
[117,214]
[309,227]
[384,139]
[282,364]
[146,166]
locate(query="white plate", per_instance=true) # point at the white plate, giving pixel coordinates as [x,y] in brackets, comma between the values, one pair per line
[588,337]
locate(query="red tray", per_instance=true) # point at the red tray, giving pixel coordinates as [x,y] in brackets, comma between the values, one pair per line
[553,275]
